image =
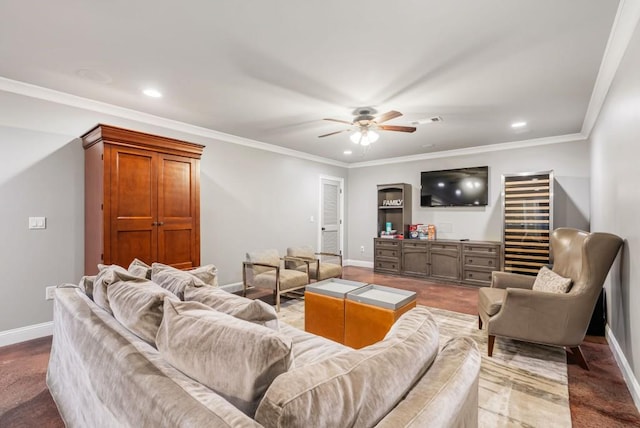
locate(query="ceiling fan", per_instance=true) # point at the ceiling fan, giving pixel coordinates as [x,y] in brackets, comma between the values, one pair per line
[366,124]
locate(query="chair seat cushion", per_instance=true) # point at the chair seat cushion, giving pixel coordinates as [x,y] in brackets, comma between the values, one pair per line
[327,270]
[289,279]
[490,300]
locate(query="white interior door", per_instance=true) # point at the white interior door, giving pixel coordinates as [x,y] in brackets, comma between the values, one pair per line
[331,214]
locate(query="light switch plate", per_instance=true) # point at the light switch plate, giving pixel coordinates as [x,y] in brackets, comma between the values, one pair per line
[37,222]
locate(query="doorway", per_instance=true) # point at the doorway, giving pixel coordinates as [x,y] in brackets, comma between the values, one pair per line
[330,224]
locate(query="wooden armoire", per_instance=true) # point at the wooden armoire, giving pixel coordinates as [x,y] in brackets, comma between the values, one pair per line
[142,199]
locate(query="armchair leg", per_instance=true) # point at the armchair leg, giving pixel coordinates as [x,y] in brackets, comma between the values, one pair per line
[277,300]
[579,357]
[479,323]
[490,343]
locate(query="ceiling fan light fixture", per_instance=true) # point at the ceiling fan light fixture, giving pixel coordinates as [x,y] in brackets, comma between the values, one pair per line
[364,137]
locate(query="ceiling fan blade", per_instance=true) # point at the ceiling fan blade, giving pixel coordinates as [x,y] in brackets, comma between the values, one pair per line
[332,133]
[388,116]
[340,121]
[397,128]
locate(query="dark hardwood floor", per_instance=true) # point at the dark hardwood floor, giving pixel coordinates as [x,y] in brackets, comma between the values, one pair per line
[598,398]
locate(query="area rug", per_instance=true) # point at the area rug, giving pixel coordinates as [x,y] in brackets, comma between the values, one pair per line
[522,385]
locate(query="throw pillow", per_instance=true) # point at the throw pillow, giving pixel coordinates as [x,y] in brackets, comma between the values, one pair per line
[235,358]
[140,268]
[356,387]
[138,305]
[109,275]
[240,307]
[207,274]
[86,284]
[549,281]
[174,280]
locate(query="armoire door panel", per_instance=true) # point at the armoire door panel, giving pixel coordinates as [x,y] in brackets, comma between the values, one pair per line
[134,232]
[175,247]
[175,188]
[131,244]
[133,175]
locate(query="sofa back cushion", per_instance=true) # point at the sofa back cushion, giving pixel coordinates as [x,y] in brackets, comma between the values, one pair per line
[255,311]
[233,357]
[106,276]
[174,280]
[138,305]
[358,387]
[139,268]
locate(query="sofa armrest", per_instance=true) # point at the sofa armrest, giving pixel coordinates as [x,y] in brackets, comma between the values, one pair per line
[446,395]
[511,280]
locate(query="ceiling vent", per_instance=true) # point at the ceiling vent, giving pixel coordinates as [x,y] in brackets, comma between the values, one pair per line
[434,119]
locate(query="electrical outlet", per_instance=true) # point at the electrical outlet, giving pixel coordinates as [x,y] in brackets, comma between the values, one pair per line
[362,248]
[49,292]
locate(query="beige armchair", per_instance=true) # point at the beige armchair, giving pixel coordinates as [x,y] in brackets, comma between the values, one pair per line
[511,308]
[319,267]
[264,269]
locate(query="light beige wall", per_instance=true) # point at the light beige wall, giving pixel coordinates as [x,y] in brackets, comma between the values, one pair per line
[570,162]
[615,207]
[251,199]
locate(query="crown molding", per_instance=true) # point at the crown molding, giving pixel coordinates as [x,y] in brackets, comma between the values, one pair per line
[474,150]
[624,25]
[46,94]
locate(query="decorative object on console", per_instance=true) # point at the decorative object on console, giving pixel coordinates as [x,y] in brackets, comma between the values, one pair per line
[527,205]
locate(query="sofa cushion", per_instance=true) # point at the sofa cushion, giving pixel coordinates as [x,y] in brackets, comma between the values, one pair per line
[308,348]
[140,268]
[207,274]
[138,305]
[174,280]
[86,285]
[240,307]
[549,281]
[235,358]
[356,387]
[106,276]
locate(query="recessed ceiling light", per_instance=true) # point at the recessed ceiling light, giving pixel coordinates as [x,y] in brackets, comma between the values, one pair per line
[347,152]
[153,93]
[518,124]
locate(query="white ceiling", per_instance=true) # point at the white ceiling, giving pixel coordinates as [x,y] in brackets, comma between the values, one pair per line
[272,70]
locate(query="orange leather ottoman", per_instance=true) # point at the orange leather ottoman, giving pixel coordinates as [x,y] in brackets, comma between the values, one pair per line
[371,311]
[324,307]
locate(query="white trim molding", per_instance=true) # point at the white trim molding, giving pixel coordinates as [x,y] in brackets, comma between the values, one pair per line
[625,368]
[22,334]
[624,25]
[358,263]
[46,94]
[474,150]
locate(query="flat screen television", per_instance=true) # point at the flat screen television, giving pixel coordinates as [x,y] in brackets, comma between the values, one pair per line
[462,187]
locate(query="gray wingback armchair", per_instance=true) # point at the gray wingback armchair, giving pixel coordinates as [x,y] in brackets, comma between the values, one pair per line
[510,308]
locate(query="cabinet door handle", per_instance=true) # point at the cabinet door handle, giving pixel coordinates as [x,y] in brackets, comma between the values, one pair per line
[155,223]
[161,223]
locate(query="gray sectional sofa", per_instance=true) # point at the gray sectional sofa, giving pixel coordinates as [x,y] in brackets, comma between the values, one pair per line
[220,360]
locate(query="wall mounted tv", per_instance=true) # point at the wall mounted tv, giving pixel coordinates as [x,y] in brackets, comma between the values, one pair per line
[462,187]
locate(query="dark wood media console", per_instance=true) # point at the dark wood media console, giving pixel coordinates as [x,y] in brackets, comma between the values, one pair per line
[464,262]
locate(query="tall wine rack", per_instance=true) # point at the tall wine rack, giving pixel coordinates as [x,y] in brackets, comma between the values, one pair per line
[527,200]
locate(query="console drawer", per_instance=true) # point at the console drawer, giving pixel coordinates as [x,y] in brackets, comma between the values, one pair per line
[480,248]
[388,252]
[477,276]
[387,265]
[479,260]
[387,243]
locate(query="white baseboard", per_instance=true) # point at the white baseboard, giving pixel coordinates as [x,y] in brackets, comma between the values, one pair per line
[625,368]
[233,287]
[359,263]
[22,334]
